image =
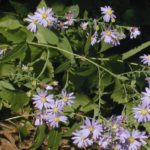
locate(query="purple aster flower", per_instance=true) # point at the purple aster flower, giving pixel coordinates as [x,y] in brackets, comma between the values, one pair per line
[45,17]
[42,99]
[33,23]
[91,128]
[134,32]
[55,119]
[145,59]
[121,134]
[108,14]
[110,36]
[136,140]
[94,38]
[67,98]
[142,113]
[148,80]
[81,140]
[70,18]
[146,97]
[42,118]
[55,107]
[104,141]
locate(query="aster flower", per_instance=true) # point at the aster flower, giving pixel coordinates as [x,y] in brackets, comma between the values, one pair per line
[56,119]
[45,17]
[145,59]
[94,38]
[136,139]
[108,14]
[70,18]
[104,141]
[91,128]
[121,134]
[81,140]
[84,25]
[67,98]
[42,118]
[32,23]
[142,113]
[146,97]
[110,36]
[55,107]
[42,99]
[134,32]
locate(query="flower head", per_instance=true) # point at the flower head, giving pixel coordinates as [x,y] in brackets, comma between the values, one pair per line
[56,119]
[45,17]
[145,59]
[67,98]
[94,38]
[146,97]
[42,99]
[81,140]
[108,14]
[32,23]
[110,36]
[136,139]
[84,25]
[92,128]
[148,80]
[142,113]
[134,32]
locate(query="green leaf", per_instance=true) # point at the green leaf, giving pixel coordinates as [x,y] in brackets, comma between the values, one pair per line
[64,44]
[6,69]
[81,100]
[87,45]
[147,126]
[42,4]
[40,136]
[136,50]
[14,35]
[9,22]
[21,9]
[17,99]
[46,36]
[18,52]
[75,10]
[62,67]
[73,128]
[104,46]
[6,85]
[54,138]
[118,94]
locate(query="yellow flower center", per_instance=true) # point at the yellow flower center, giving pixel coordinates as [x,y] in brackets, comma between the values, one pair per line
[114,148]
[131,140]
[65,98]
[55,109]
[108,32]
[57,119]
[43,99]
[91,129]
[109,11]
[44,15]
[148,57]
[144,112]
[115,126]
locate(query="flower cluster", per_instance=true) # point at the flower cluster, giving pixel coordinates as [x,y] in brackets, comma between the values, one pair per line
[113,135]
[142,111]
[51,108]
[43,16]
[109,33]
